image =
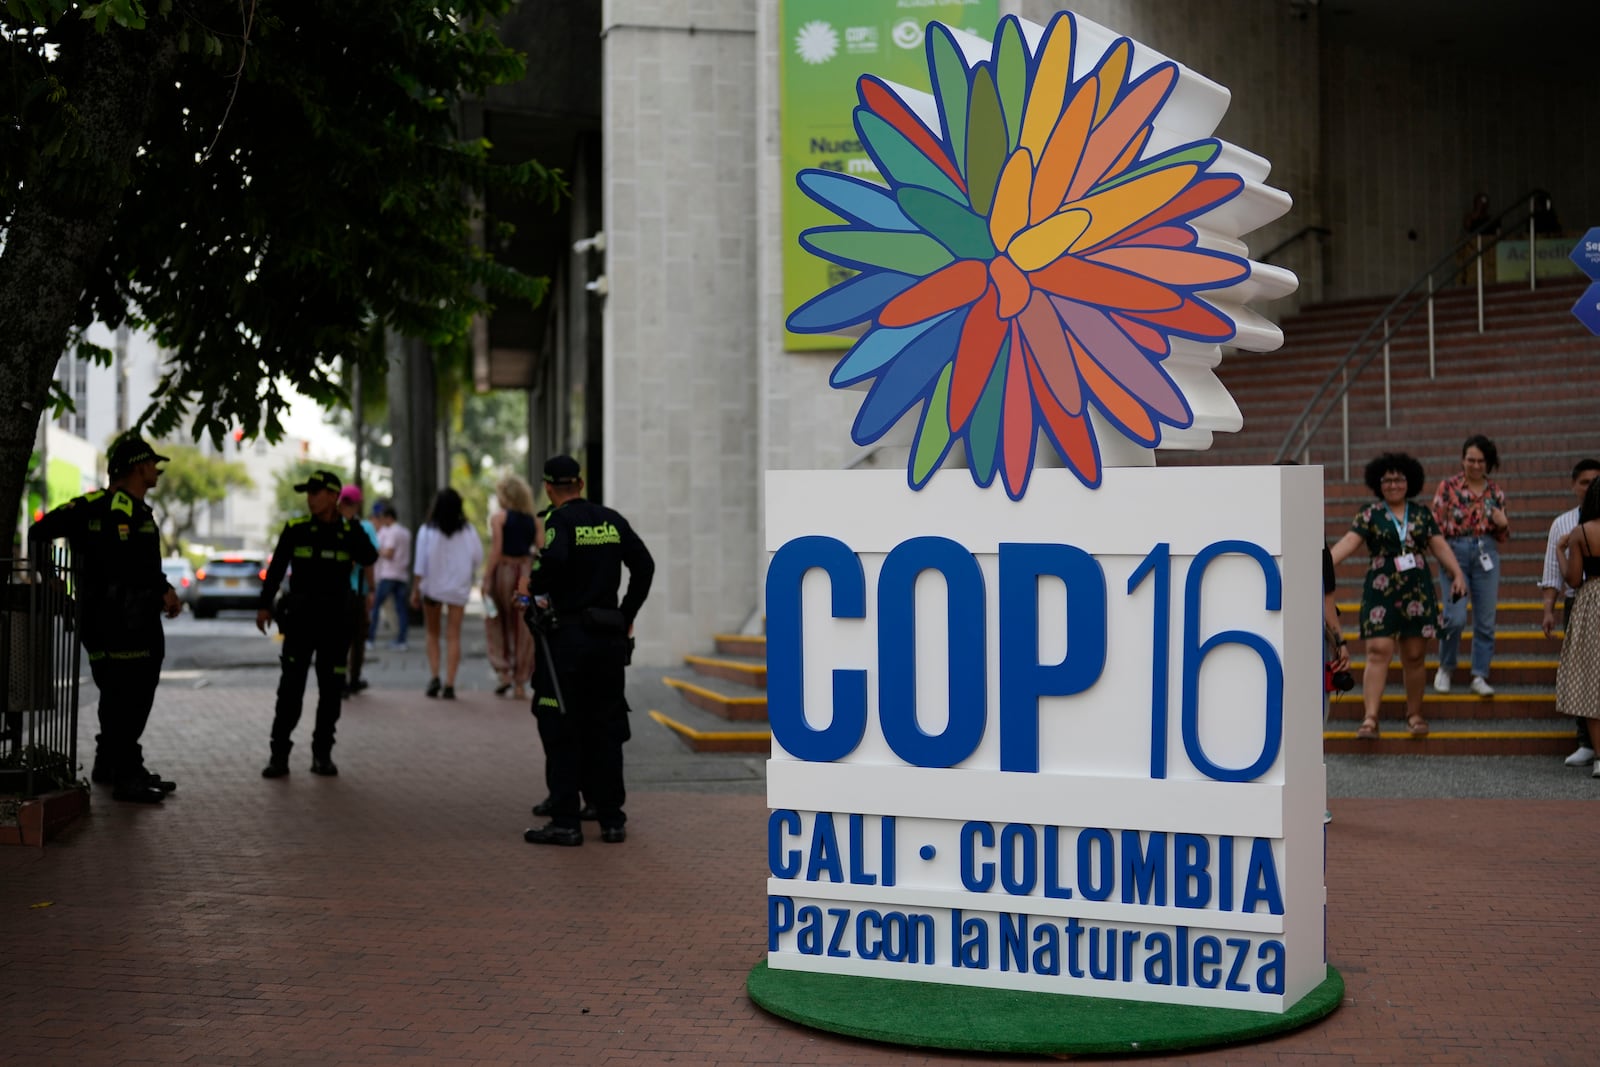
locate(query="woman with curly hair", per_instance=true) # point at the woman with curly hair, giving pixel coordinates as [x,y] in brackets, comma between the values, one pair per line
[1471,512]
[1398,605]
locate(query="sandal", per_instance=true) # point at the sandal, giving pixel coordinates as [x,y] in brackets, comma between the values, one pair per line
[502,690]
[1417,725]
[1368,730]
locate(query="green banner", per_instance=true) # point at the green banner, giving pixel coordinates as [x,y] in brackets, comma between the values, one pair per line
[826,46]
[64,481]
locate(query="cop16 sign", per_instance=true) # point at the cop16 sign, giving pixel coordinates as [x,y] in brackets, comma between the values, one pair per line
[1071,748]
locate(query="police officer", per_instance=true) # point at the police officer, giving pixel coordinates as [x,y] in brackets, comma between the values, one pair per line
[314,616]
[117,552]
[584,640]
[544,808]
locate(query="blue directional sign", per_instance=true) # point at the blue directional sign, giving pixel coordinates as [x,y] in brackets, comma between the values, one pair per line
[1588,308]
[1587,254]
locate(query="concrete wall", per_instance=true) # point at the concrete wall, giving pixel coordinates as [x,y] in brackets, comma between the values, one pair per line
[1414,131]
[681,235]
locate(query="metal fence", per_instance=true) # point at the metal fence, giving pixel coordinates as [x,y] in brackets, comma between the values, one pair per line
[39,629]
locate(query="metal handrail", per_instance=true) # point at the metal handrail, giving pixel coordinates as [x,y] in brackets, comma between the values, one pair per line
[1304,231]
[1367,348]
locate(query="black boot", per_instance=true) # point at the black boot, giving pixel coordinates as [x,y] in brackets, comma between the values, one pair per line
[323,765]
[546,806]
[278,765]
[138,794]
[136,789]
[553,835]
[166,785]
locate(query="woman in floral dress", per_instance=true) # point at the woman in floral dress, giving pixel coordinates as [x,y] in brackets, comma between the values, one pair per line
[1398,604]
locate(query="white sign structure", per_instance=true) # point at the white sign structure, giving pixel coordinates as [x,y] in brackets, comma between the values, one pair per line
[1069,743]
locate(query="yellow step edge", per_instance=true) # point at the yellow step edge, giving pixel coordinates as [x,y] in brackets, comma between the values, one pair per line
[710,735]
[729,664]
[1500,635]
[1503,605]
[1505,664]
[1354,697]
[740,637]
[1461,735]
[711,694]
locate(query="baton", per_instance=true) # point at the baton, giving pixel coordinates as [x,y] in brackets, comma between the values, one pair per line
[550,665]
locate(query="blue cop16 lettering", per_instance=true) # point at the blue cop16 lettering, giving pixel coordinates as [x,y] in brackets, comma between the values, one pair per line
[1022,678]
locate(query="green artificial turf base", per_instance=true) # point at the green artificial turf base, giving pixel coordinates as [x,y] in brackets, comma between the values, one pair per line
[931,1015]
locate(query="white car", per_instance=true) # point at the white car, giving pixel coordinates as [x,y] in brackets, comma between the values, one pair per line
[229,582]
[182,578]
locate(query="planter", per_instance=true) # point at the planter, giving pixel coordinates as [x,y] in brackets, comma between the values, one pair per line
[42,818]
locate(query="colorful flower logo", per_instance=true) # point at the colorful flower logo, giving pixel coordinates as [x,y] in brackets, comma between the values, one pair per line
[1025,263]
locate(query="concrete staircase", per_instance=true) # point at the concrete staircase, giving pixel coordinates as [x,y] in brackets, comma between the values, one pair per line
[1525,382]
[724,707]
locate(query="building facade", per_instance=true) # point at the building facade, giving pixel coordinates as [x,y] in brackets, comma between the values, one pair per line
[661,358]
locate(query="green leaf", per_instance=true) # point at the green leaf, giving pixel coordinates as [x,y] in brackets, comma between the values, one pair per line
[899,158]
[91,352]
[950,83]
[986,141]
[983,429]
[951,222]
[916,254]
[1011,78]
[933,433]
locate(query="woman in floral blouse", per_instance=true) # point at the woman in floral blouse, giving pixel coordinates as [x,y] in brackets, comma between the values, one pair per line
[1398,604]
[1471,513]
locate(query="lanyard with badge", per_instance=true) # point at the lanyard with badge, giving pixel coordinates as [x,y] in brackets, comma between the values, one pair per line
[1485,560]
[1404,561]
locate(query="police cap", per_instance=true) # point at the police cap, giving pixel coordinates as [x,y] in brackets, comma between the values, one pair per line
[127,452]
[320,480]
[561,470]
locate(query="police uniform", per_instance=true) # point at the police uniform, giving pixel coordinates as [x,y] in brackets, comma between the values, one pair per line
[314,619]
[116,552]
[578,696]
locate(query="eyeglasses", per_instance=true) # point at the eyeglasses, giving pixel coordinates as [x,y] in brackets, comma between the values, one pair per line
[1393,479]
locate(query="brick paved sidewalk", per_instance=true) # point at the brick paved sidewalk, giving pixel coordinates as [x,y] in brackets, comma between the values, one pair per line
[394,915]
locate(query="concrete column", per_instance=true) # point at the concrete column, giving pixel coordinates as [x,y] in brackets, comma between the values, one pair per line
[412,427]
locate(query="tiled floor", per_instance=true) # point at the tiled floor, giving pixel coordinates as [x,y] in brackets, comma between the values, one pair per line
[394,915]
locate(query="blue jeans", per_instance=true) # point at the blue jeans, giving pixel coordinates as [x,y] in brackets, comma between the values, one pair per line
[1483,590]
[397,589]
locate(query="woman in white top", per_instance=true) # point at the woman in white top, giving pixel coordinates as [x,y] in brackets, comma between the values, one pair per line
[447,557]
